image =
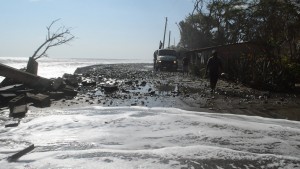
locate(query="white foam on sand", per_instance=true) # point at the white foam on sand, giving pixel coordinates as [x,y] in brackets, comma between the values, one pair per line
[137,137]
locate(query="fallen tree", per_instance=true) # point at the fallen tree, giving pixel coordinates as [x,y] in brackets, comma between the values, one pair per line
[24,77]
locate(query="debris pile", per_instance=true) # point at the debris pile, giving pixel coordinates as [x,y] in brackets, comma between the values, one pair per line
[20,89]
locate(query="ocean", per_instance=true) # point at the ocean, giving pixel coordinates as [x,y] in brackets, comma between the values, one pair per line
[56,67]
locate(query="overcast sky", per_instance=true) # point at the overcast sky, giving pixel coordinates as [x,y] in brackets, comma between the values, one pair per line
[113,29]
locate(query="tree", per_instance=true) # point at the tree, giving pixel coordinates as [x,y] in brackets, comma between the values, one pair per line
[272,24]
[62,35]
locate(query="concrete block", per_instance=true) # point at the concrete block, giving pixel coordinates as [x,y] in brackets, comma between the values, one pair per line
[56,95]
[6,97]
[12,123]
[19,111]
[70,92]
[19,100]
[39,100]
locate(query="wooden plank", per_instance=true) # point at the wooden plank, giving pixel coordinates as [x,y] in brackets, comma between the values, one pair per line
[24,77]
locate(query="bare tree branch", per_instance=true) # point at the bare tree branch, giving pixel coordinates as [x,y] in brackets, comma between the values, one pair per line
[61,36]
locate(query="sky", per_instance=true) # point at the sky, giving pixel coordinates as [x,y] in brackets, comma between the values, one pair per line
[106,29]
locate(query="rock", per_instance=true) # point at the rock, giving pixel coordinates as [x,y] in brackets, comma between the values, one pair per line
[152,93]
[129,83]
[88,83]
[57,83]
[110,88]
[71,80]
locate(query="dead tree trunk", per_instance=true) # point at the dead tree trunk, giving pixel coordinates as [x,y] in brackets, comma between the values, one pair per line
[32,66]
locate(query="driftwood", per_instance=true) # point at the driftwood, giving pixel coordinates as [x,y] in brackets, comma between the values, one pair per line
[19,154]
[28,79]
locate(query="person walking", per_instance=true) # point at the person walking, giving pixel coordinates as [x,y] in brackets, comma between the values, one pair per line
[185,65]
[214,67]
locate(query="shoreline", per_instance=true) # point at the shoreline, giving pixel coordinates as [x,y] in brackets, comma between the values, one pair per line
[138,85]
[128,108]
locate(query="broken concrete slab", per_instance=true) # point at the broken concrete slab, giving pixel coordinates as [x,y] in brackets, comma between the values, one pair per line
[6,97]
[19,111]
[39,100]
[19,100]
[56,95]
[12,123]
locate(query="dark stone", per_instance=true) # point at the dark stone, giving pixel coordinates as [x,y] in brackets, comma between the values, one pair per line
[143,83]
[128,82]
[152,93]
[58,83]
[109,88]
[86,83]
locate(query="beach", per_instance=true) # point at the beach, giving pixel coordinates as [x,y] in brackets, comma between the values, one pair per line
[139,85]
[129,116]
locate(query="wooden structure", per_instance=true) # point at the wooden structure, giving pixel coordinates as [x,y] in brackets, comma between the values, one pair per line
[231,56]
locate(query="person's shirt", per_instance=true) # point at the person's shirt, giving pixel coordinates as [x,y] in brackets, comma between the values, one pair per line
[185,61]
[214,65]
